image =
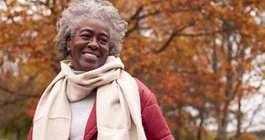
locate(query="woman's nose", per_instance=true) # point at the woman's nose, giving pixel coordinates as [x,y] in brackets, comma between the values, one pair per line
[93,44]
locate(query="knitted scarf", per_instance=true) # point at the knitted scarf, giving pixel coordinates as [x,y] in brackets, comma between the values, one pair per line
[118,103]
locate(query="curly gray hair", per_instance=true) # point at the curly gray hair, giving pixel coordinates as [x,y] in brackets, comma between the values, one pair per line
[80,11]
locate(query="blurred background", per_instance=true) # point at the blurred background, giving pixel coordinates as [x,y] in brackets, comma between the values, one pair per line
[203,59]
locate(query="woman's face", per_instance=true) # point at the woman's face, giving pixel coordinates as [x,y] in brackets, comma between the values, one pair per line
[89,46]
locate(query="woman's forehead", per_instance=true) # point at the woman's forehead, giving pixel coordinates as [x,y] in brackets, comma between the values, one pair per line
[94,24]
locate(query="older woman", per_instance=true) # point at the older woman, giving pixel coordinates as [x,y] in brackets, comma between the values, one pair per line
[93,97]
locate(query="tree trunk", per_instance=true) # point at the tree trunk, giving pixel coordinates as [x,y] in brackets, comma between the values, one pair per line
[223,122]
[221,133]
[18,134]
[239,114]
[199,132]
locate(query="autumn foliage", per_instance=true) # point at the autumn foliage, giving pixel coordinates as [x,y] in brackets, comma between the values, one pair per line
[202,59]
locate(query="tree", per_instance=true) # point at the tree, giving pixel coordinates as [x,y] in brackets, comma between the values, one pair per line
[27,60]
[196,56]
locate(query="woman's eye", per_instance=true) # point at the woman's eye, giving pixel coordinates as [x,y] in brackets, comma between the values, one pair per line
[103,41]
[86,36]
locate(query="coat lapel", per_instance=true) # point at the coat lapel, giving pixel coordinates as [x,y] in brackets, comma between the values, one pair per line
[91,126]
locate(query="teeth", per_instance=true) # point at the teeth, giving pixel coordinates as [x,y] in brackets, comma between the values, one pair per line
[89,54]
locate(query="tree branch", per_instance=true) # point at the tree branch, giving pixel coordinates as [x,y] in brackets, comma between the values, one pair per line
[5,89]
[136,18]
[171,37]
[254,114]
[39,2]
[149,14]
[200,34]
[173,34]
[137,13]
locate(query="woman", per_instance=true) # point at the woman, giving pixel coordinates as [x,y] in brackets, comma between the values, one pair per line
[92,97]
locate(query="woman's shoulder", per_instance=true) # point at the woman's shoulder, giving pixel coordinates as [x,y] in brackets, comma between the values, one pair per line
[154,123]
[146,96]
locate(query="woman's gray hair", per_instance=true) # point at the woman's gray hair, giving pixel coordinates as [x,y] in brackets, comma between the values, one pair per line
[99,9]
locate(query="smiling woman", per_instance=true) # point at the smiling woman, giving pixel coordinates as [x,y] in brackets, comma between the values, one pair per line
[89,46]
[93,97]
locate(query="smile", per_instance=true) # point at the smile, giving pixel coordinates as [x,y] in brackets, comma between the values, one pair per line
[90,55]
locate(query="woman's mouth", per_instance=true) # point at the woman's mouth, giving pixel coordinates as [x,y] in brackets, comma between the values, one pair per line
[89,55]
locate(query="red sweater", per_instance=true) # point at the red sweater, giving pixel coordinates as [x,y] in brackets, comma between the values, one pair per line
[154,124]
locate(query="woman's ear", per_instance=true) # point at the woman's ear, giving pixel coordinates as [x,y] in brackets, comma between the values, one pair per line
[111,47]
[69,44]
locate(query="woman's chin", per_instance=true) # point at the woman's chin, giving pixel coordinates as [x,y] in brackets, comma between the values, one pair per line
[89,67]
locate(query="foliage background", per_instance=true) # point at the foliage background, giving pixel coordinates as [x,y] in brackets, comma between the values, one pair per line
[203,59]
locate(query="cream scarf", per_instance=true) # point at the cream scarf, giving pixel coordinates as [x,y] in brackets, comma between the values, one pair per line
[118,103]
